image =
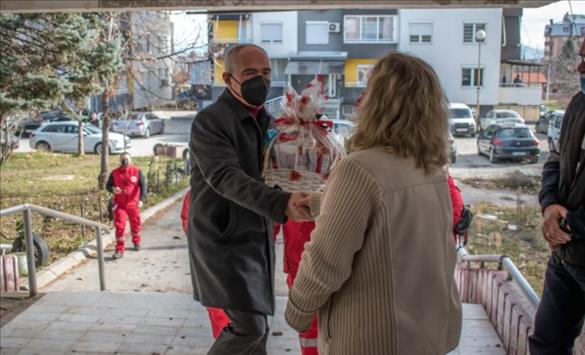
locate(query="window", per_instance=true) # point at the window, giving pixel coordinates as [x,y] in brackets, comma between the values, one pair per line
[469,77]
[72,129]
[363,71]
[369,29]
[421,32]
[469,31]
[55,129]
[566,29]
[317,32]
[271,32]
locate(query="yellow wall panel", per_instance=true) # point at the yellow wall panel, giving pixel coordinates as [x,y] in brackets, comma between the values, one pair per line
[225,30]
[218,72]
[351,68]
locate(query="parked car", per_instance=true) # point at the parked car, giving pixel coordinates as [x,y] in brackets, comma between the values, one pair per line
[500,116]
[543,122]
[13,140]
[27,128]
[508,141]
[452,149]
[461,121]
[554,131]
[342,130]
[543,110]
[138,124]
[63,137]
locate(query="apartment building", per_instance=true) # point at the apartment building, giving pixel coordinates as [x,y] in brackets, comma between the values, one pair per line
[343,45]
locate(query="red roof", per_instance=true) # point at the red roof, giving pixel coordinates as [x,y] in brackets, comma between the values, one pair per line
[533,78]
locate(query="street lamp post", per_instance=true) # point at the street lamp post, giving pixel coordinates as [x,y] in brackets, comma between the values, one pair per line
[479,38]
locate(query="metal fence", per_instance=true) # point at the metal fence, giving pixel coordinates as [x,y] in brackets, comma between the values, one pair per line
[27,210]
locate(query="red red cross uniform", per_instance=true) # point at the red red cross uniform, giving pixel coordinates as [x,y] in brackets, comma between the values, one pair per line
[126,204]
[295,235]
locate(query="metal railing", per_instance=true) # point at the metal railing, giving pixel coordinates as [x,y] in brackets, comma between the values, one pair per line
[506,263]
[27,210]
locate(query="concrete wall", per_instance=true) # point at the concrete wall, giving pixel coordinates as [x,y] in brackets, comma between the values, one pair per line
[289,23]
[448,40]
[335,39]
[520,95]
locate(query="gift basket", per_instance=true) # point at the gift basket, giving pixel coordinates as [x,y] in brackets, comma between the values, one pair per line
[302,154]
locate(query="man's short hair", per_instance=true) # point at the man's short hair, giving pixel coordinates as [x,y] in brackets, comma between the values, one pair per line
[231,56]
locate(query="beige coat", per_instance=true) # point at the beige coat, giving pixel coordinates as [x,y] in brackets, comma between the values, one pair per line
[379,267]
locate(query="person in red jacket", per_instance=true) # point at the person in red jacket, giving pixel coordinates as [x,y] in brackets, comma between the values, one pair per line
[217,316]
[295,235]
[456,203]
[129,188]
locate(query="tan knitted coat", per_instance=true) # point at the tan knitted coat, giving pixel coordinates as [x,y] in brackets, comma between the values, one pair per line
[379,267]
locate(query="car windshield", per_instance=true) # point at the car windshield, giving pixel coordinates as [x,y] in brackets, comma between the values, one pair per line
[91,129]
[519,132]
[134,116]
[507,114]
[459,113]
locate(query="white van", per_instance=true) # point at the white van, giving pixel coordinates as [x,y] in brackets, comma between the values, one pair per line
[461,121]
[554,131]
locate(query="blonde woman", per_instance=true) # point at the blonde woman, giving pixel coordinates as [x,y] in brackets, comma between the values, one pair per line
[380,263]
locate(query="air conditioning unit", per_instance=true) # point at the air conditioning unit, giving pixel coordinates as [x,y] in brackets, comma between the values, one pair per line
[334,27]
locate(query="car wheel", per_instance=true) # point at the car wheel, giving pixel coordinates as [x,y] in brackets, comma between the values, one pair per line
[453,158]
[147,133]
[534,160]
[185,153]
[492,157]
[98,149]
[43,147]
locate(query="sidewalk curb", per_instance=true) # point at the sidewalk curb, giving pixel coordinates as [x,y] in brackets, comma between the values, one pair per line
[89,250]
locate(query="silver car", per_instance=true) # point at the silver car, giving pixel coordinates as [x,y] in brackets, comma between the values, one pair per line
[141,124]
[500,117]
[63,137]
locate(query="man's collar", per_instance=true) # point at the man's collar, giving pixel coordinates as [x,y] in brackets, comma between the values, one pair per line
[241,111]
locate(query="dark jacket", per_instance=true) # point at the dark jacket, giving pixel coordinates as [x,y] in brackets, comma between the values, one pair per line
[563,180]
[232,210]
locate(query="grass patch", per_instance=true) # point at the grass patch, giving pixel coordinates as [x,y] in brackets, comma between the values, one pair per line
[514,182]
[65,182]
[525,246]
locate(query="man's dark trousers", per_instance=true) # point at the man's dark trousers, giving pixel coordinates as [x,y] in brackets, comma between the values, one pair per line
[247,334]
[561,311]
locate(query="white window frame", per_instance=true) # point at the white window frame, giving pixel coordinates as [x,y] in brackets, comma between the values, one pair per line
[473,76]
[420,37]
[474,24]
[272,23]
[378,40]
[359,67]
[326,23]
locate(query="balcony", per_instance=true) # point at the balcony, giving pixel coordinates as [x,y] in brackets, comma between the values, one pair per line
[520,94]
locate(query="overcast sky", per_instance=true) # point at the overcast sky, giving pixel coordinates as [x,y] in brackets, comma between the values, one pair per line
[533,22]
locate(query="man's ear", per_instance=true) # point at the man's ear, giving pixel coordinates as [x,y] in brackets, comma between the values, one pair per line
[226,78]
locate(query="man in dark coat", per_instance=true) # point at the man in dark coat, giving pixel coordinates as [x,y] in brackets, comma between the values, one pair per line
[231,214]
[561,311]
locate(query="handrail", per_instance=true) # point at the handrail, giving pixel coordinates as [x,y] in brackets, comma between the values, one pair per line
[506,263]
[26,210]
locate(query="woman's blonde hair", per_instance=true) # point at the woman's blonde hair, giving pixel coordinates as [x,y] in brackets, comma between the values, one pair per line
[404,110]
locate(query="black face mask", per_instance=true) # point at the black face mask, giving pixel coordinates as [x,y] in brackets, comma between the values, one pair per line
[254,90]
[125,162]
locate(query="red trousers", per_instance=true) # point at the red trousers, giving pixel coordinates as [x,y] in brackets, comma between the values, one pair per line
[219,320]
[131,212]
[295,235]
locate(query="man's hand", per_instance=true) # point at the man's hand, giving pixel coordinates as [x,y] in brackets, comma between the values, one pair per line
[297,208]
[140,204]
[551,230]
[117,190]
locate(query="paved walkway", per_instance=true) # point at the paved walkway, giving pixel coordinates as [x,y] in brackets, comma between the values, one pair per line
[149,309]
